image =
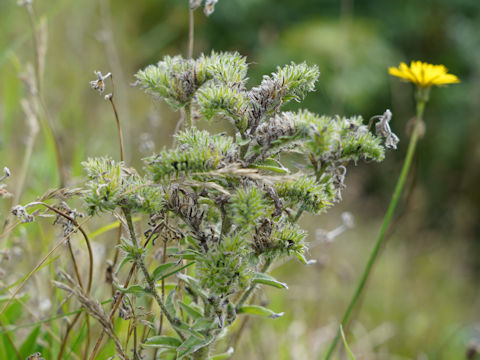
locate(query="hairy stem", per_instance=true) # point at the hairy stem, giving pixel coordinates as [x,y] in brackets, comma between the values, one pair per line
[188,116]
[119,299]
[160,327]
[151,284]
[385,224]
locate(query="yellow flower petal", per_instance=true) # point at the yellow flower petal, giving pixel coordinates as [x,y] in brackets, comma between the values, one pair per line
[423,74]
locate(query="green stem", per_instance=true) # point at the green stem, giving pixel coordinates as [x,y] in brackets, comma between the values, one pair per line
[251,289]
[148,278]
[386,221]
[188,116]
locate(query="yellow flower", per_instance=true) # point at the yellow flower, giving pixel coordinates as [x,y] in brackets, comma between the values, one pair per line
[424,75]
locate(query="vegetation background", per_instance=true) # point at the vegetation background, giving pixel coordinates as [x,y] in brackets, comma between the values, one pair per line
[423,299]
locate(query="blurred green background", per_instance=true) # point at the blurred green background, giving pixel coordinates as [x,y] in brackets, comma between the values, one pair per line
[423,299]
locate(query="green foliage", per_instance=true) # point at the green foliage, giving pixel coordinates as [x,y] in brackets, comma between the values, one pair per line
[231,198]
[306,192]
[225,101]
[198,152]
[112,185]
[293,81]
[225,267]
[248,205]
[176,80]
[224,206]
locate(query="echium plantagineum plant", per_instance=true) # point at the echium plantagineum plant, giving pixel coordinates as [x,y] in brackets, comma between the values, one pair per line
[224,206]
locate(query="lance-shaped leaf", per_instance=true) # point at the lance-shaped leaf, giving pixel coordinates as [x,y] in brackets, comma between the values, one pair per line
[259,311]
[261,278]
[157,274]
[194,285]
[191,345]
[170,305]
[349,352]
[272,165]
[134,289]
[192,312]
[163,341]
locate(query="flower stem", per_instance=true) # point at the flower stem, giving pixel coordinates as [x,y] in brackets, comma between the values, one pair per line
[190,32]
[151,284]
[385,224]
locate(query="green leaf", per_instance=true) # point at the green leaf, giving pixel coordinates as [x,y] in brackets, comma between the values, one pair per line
[29,345]
[203,324]
[242,142]
[157,274]
[134,289]
[259,310]
[194,285]
[126,259]
[193,313]
[272,165]
[304,260]
[349,352]
[163,341]
[177,270]
[191,345]
[189,254]
[223,356]
[169,303]
[261,278]
[189,330]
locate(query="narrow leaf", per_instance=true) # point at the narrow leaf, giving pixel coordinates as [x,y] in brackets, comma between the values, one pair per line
[169,304]
[134,289]
[28,346]
[259,310]
[160,270]
[273,165]
[349,352]
[203,324]
[163,341]
[261,278]
[304,260]
[193,313]
[176,270]
[191,345]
